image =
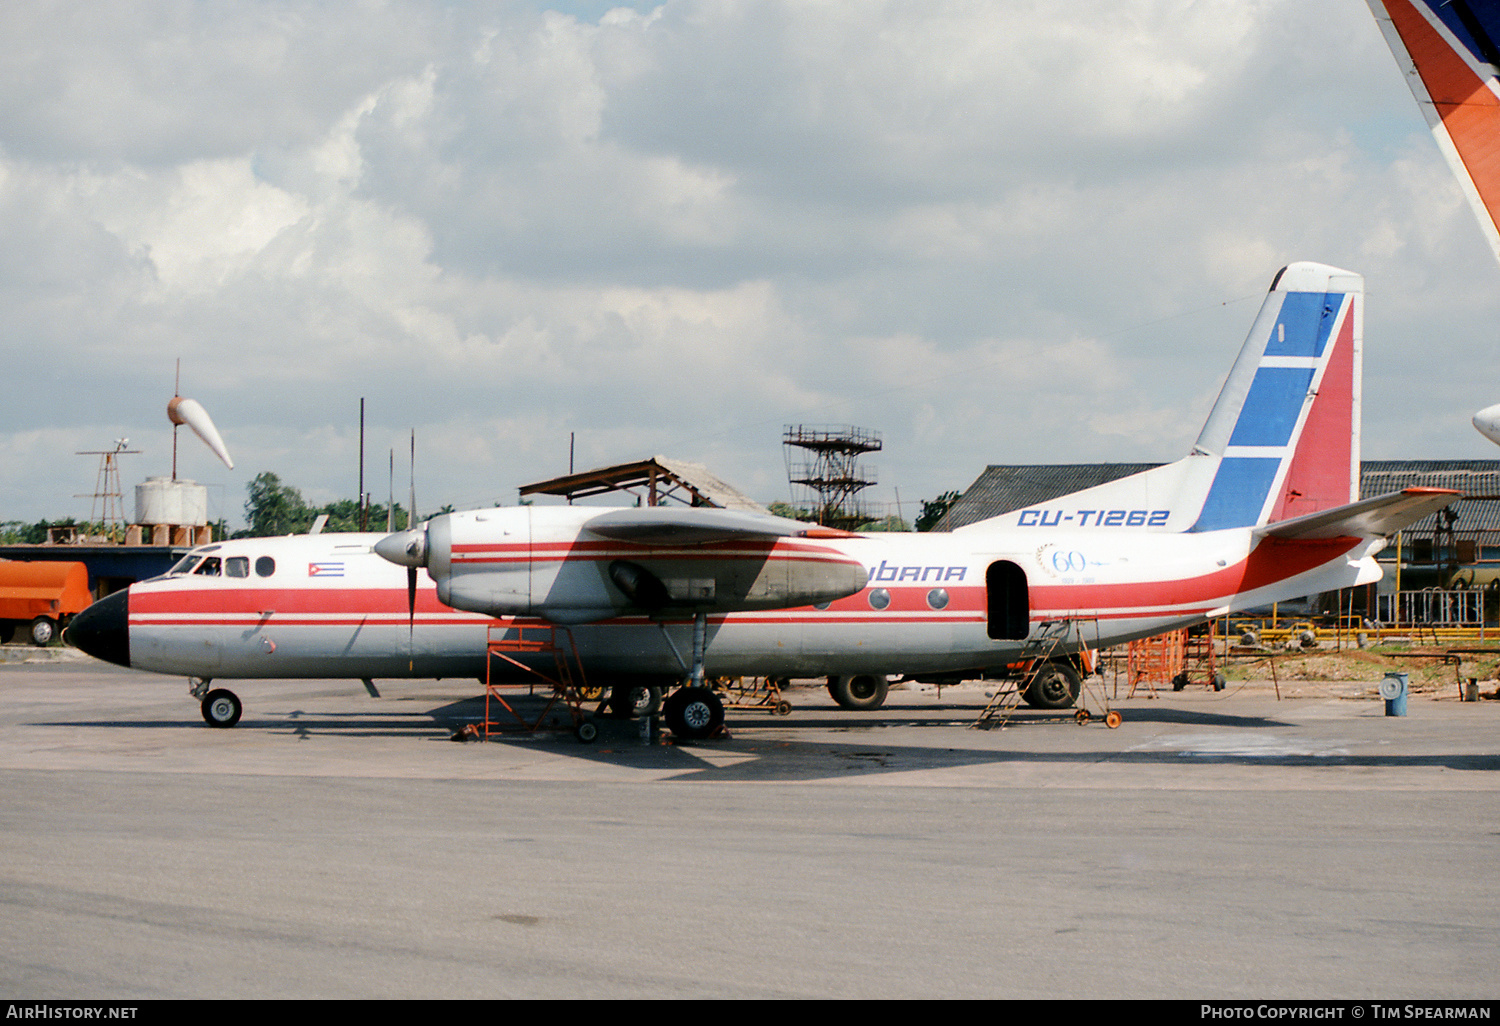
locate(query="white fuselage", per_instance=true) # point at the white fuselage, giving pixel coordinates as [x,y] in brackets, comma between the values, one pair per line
[328,606]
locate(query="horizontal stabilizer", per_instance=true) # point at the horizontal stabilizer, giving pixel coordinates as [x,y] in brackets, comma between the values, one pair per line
[687,525]
[1368,518]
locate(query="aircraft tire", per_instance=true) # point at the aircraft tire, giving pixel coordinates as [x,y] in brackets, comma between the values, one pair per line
[693,713]
[1053,686]
[43,630]
[861,691]
[635,701]
[221,708]
[586,732]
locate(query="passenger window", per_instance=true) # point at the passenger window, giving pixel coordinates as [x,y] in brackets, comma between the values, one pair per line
[265,566]
[209,567]
[237,566]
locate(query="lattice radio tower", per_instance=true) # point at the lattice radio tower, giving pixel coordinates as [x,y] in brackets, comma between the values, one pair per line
[824,461]
[108,506]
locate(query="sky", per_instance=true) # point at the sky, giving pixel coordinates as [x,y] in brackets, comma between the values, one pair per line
[993,232]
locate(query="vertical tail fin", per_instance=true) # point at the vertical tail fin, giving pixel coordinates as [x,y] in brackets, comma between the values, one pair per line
[1448,50]
[1282,440]
[1286,425]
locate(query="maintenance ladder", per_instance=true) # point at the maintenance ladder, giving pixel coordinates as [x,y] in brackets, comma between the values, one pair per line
[1041,647]
[567,683]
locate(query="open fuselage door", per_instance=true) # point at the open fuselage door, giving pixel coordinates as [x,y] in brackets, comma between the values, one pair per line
[1007,601]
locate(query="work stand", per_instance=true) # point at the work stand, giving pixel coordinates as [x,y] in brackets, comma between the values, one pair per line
[1051,640]
[754,693]
[565,686]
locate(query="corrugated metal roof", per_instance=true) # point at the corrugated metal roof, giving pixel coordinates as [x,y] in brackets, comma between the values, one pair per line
[1472,477]
[667,477]
[1006,487]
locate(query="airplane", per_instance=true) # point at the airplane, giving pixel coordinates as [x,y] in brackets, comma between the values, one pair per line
[1264,508]
[1449,52]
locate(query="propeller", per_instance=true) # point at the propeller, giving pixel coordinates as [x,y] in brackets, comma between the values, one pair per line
[408,548]
[411,571]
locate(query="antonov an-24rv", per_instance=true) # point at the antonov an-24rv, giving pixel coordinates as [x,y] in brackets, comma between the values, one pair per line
[1264,508]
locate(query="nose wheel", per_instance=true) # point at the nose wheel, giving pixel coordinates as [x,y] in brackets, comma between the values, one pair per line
[221,707]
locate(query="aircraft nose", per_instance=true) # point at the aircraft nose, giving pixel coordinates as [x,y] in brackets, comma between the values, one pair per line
[103,629]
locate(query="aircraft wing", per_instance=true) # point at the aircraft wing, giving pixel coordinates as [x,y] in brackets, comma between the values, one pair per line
[700,525]
[1368,518]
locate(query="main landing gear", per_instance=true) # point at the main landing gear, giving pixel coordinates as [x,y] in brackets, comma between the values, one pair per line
[863,691]
[221,707]
[635,701]
[695,712]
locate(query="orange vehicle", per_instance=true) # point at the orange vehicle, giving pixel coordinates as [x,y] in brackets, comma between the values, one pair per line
[41,597]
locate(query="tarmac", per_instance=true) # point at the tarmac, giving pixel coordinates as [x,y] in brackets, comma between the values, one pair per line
[1216,846]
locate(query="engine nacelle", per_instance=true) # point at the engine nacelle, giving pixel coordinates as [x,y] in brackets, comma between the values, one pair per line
[501,562]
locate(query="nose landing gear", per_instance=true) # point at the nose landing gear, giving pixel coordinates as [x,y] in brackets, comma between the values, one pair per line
[221,707]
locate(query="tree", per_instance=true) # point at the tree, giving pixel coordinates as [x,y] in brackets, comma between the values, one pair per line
[890,523]
[934,510]
[274,508]
[783,509]
[16,532]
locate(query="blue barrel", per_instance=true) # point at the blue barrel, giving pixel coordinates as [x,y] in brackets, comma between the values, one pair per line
[1393,690]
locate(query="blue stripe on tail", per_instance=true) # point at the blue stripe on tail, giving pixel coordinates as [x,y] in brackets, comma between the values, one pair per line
[1270,413]
[1305,325]
[1272,408]
[1239,492]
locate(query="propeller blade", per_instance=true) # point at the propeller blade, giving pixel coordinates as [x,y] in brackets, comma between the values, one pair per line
[411,617]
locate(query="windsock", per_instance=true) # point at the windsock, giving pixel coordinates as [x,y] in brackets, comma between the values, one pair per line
[192,413]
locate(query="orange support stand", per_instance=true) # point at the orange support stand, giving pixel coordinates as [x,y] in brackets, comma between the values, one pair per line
[513,641]
[1155,661]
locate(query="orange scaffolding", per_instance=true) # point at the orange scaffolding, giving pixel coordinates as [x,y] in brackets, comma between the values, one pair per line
[1155,661]
[1180,658]
[1200,661]
[567,683]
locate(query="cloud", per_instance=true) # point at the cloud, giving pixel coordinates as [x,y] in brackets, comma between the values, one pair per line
[996,233]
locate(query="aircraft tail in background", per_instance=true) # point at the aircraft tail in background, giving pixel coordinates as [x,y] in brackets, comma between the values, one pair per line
[1449,51]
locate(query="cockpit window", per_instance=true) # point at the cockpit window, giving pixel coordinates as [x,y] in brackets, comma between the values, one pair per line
[210,567]
[237,566]
[265,566]
[184,564]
